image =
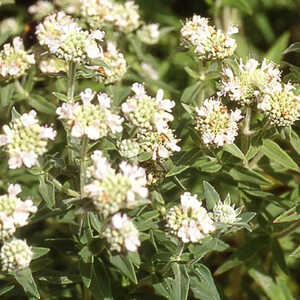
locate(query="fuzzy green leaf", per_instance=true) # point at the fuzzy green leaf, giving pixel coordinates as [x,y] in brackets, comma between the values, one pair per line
[25,279]
[211,195]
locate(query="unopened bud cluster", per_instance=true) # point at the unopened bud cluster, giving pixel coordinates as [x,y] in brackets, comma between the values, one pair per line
[67,40]
[14,60]
[25,140]
[15,255]
[189,220]
[281,105]
[149,34]
[97,13]
[114,66]
[207,42]
[215,124]
[121,234]
[150,116]
[93,120]
[250,81]
[71,7]
[14,212]
[225,212]
[129,148]
[112,191]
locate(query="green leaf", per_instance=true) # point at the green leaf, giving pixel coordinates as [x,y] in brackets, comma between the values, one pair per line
[292,48]
[144,156]
[6,288]
[39,252]
[15,114]
[278,254]
[296,252]
[211,195]
[276,52]
[295,141]
[101,282]
[25,279]
[177,170]
[61,96]
[181,282]
[47,190]
[272,290]
[235,151]
[245,175]
[42,105]
[203,285]
[241,5]
[275,153]
[190,93]
[290,215]
[125,265]
[188,108]
[6,94]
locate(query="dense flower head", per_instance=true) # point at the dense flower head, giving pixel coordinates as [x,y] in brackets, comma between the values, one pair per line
[112,191]
[129,148]
[215,124]
[15,255]
[93,120]
[67,40]
[206,41]
[99,13]
[250,82]
[121,234]
[144,111]
[189,220]
[41,9]
[52,64]
[160,144]
[281,105]
[114,67]
[25,140]
[149,34]
[225,212]
[14,212]
[14,60]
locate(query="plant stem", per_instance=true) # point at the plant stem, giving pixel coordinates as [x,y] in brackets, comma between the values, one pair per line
[83,152]
[246,131]
[61,188]
[256,159]
[71,81]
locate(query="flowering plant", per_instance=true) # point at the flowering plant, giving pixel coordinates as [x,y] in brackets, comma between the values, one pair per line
[149,159]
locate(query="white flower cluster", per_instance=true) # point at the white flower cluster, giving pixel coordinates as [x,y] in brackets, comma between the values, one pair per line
[116,65]
[14,60]
[121,234]
[215,124]
[250,82]
[41,9]
[93,120]
[9,26]
[206,41]
[112,191]
[149,34]
[189,221]
[14,212]
[97,13]
[67,40]
[25,140]
[161,145]
[151,116]
[225,212]
[52,65]
[71,7]
[144,111]
[281,105]
[15,255]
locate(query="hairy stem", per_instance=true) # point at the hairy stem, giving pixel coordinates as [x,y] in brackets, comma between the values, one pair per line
[71,81]
[83,153]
